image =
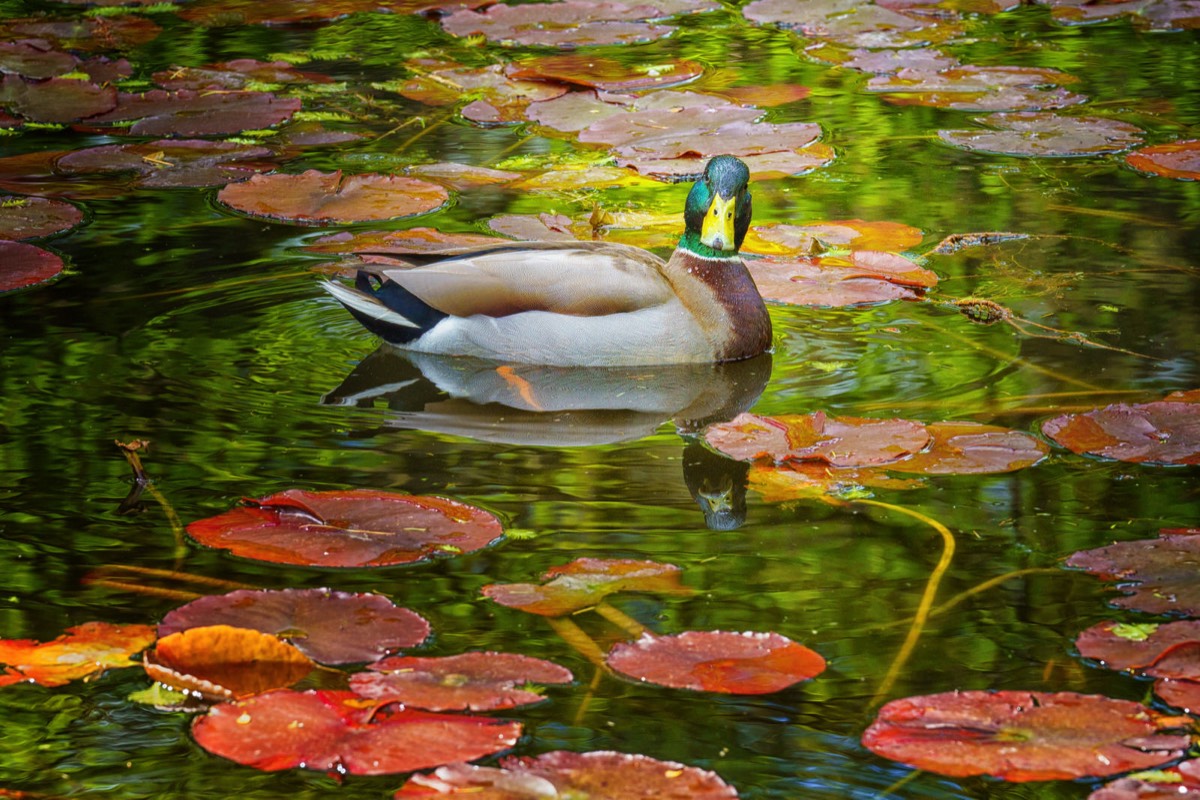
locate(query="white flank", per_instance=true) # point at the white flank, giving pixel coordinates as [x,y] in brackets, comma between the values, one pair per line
[366,305]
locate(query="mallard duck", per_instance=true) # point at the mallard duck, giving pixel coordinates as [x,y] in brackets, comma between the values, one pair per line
[582,303]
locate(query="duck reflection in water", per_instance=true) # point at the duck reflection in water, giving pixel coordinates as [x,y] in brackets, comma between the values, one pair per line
[546,406]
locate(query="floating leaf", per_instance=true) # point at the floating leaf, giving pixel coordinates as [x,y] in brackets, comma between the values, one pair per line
[1045,135]
[1180,782]
[34,217]
[34,59]
[477,681]
[338,730]
[764,96]
[221,662]
[1182,694]
[55,99]
[777,239]
[717,661]
[445,84]
[596,775]
[1110,643]
[569,23]
[581,178]
[461,177]
[762,166]
[240,73]
[83,651]
[24,265]
[1164,432]
[925,59]
[288,12]
[862,277]
[672,127]
[192,113]
[323,198]
[1022,736]
[171,162]
[407,242]
[838,441]
[353,528]
[971,448]
[327,626]
[972,88]
[86,33]
[807,480]
[1158,575]
[585,582]
[608,74]
[1172,160]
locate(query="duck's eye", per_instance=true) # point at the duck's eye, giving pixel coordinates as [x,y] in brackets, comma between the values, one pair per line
[714,212]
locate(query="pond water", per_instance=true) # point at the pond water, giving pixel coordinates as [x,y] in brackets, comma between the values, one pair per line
[205,332]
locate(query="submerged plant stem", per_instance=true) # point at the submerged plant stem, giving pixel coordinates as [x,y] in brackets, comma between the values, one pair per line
[580,642]
[619,618]
[143,483]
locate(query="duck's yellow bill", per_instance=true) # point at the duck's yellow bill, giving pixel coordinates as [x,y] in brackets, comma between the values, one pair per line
[717,230]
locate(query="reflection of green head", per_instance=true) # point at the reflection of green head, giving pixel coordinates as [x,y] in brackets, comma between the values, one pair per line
[717,214]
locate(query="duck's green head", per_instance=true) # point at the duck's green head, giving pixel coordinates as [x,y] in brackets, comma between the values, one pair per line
[717,214]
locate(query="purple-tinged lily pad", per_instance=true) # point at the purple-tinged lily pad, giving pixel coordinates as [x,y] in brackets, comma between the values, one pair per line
[691,121]
[34,59]
[1171,160]
[477,681]
[324,198]
[328,626]
[24,265]
[1164,432]
[882,62]
[191,113]
[1141,647]
[569,23]
[55,99]
[34,217]
[837,441]
[172,162]
[1157,576]
[1045,135]
[971,88]
[861,278]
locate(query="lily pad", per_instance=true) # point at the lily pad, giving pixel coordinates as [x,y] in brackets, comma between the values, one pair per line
[569,23]
[1046,135]
[240,73]
[848,22]
[328,626]
[779,239]
[83,651]
[86,33]
[971,88]
[1158,575]
[717,661]
[290,12]
[1172,160]
[35,59]
[762,166]
[197,113]
[971,448]
[355,528]
[461,177]
[585,582]
[55,99]
[34,217]
[478,681]
[24,265]
[221,662]
[690,122]
[837,441]
[324,198]
[1183,694]
[172,162]
[596,775]
[338,730]
[1180,782]
[608,74]
[1022,736]
[1121,646]
[860,278]
[809,480]
[1164,432]
[438,83]
[407,242]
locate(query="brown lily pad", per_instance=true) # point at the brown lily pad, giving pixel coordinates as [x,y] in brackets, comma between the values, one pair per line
[34,217]
[87,34]
[55,99]
[1157,575]
[239,73]
[1180,782]
[1165,432]
[1121,646]
[1045,135]
[413,241]
[196,113]
[837,441]
[83,651]
[1179,160]
[598,775]
[324,198]
[859,278]
[34,59]
[24,265]
[221,662]
[717,661]
[1022,736]
[478,681]
[172,162]
[608,74]
[781,239]
[971,448]
[585,582]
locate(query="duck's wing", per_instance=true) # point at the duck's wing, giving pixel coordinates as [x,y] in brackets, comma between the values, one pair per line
[583,279]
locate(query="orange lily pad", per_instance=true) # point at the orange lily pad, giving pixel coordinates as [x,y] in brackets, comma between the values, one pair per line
[860,278]
[781,239]
[838,441]
[607,74]
[1172,160]
[325,198]
[972,448]
[221,662]
[584,582]
[83,651]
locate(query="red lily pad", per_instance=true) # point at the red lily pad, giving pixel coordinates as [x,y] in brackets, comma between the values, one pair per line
[1172,160]
[1022,736]
[83,651]
[338,730]
[1158,575]
[34,59]
[597,775]
[584,582]
[1164,432]
[323,198]
[860,278]
[33,217]
[55,99]
[86,33]
[407,242]
[776,239]
[971,88]
[717,661]
[478,681]
[1121,646]
[569,23]
[355,528]
[192,113]
[171,162]
[221,662]
[1183,694]
[327,626]
[838,441]
[971,448]
[24,265]
[608,74]
[237,74]
[1045,135]
[1180,782]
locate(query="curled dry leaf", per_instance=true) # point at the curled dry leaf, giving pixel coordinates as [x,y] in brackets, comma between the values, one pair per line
[221,662]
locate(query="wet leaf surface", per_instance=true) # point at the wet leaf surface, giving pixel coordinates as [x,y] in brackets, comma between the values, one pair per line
[1182,694]
[860,278]
[851,23]
[34,59]
[971,448]
[567,24]
[1180,782]
[1123,646]
[595,775]
[328,626]
[971,88]
[288,12]
[438,83]
[171,162]
[838,441]
[240,73]
[331,198]
[477,681]
[1045,135]
[807,480]
[55,99]
[585,582]
[83,651]
[355,528]
[461,177]
[1021,736]
[34,217]
[1157,575]
[717,661]
[1165,432]
[762,166]
[24,265]
[88,34]
[410,241]
[608,74]
[779,238]
[328,730]
[1172,160]
[221,662]
[191,113]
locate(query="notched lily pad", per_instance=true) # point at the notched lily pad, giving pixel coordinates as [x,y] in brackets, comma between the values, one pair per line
[1172,160]
[1022,736]
[717,661]
[325,198]
[34,217]
[837,441]
[971,88]
[24,265]
[1157,575]
[566,24]
[608,74]
[355,528]
[171,162]
[221,662]
[1045,135]
[585,582]
[860,278]
[55,99]
[1164,432]
[196,113]
[83,651]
